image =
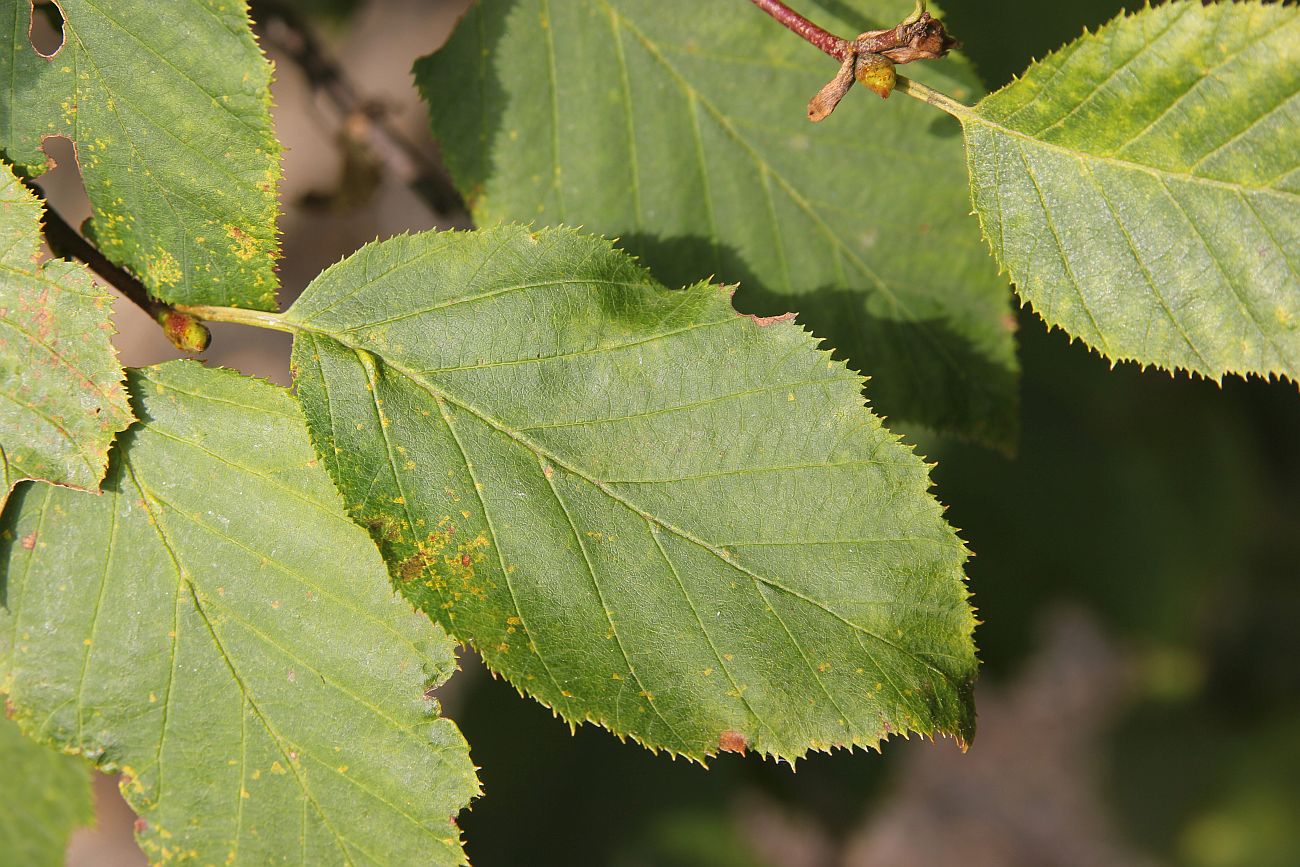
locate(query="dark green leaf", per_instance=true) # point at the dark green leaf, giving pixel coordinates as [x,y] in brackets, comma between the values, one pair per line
[680,127]
[644,509]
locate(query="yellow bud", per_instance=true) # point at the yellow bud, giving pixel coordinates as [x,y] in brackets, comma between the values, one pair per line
[876,72]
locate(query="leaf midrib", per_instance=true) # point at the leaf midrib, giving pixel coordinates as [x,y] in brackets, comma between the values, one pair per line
[183,583]
[970,114]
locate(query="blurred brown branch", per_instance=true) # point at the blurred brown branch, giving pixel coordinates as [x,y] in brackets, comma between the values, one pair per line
[362,122]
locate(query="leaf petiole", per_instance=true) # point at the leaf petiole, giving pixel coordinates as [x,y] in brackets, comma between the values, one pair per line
[239,316]
[938,99]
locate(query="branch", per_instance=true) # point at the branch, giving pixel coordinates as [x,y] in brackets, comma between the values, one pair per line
[833,45]
[359,117]
[184,331]
[870,57]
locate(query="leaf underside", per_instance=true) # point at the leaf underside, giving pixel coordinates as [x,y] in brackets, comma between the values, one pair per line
[61,394]
[169,107]
[183,627]
[1142,186]
[680,127]
[643,508]
[47,797]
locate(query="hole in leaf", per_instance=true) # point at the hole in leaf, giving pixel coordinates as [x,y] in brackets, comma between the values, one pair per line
[61,182]
[46,32]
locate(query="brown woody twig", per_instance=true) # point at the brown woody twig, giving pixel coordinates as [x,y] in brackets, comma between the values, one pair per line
[870,57]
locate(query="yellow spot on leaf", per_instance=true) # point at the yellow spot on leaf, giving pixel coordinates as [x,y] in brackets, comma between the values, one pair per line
[245,246]
[162,270]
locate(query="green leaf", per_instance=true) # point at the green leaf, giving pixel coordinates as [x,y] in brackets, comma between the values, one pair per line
[1142,186]
[61,395]
[47,797]
[680,127]
[215,627]
[169,107]
[644,509]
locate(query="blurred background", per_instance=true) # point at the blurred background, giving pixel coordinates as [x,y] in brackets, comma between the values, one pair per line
[1137,568]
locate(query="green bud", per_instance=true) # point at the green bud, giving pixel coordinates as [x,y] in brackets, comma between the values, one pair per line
[184,331]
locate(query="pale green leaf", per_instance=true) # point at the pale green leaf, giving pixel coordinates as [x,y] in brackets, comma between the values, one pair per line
[1142,186]
[680,127]
[169,107]
[643,508]
[215,627]
[61,394]
[46,796]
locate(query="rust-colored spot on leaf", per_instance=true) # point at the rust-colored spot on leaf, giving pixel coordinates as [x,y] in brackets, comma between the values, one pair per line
[733,742]
[29,541]
[141,826]
[383,527]
[245,246]
[764,321]
[413,567]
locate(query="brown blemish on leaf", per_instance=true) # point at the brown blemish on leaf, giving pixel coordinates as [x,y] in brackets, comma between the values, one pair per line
[733,742]
[140,826]
[429,552]
[764,321]
[413,566]
[384,528]
[29,541]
